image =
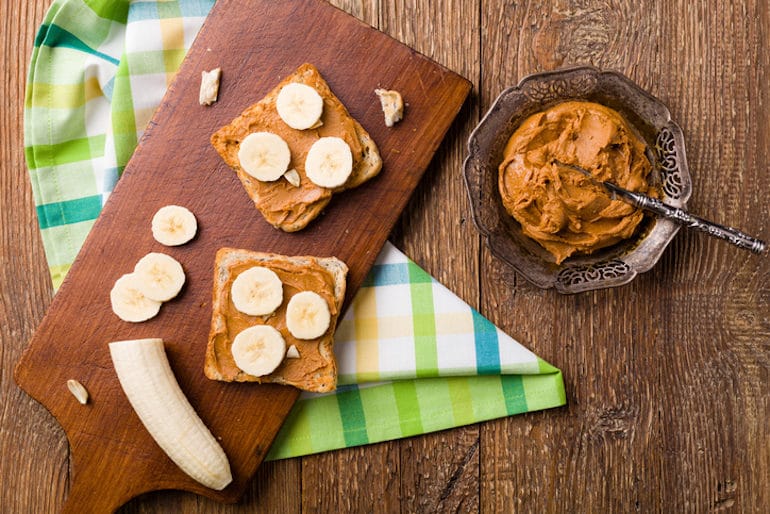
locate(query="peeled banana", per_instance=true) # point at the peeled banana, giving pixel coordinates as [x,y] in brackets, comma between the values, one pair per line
[152,390]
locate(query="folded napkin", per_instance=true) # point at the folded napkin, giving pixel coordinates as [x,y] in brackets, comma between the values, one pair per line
[413,357]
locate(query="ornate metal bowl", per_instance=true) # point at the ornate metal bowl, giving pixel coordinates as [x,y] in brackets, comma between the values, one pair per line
[612,266]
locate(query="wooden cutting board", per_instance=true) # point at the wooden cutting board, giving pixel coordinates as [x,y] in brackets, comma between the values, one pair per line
[256,43]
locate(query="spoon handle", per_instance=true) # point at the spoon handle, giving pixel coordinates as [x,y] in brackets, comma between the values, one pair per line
[730,234]
[683,217]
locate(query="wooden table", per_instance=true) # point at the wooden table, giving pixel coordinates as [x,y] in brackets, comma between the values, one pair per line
[668,378]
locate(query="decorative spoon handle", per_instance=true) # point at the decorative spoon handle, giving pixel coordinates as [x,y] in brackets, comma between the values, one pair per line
[683,217]
[677,215]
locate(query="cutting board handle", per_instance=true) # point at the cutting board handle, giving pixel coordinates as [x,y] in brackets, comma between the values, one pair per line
[106,476]
[100,494]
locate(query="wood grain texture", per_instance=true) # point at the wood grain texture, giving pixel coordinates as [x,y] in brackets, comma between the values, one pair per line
[114,462]
[32,445]
[668,378]
[647,364]
[451,257]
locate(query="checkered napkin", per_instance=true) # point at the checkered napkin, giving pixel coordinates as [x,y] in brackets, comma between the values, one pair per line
[413,357]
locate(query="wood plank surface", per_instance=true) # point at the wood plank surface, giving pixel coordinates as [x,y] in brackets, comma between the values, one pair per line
[668,378]
[113,462]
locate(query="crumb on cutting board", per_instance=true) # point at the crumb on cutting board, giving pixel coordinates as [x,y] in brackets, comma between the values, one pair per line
[209,86]
[392,105]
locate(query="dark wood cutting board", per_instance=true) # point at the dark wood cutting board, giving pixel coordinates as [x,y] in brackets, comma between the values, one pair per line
[256,43]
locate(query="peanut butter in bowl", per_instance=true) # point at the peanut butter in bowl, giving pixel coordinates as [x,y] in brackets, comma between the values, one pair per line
[558,207]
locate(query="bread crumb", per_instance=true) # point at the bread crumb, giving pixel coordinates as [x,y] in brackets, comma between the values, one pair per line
[392,105]
[209,86]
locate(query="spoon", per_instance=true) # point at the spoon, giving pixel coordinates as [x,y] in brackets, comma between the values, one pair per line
[680,216]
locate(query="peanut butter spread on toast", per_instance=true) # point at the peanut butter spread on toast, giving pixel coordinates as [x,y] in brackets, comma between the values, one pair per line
[295,278]
[282,204]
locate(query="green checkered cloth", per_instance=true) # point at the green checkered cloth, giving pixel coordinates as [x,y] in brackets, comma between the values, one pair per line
[413,357]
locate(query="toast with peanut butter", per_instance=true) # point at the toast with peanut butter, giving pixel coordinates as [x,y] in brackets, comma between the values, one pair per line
[283,203]
[303,361]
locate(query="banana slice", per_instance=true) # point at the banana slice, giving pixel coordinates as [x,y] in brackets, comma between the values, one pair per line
[154,393]
[258,350]
[159,276]
[307,315]
[129,303]
[258,291]
[174,225]
[299,105]
[264,155]
[329,162]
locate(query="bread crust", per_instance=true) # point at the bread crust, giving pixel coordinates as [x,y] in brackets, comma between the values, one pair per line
[227,140]
[322,379]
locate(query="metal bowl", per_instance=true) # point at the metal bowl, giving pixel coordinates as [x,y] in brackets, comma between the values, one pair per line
[608,267]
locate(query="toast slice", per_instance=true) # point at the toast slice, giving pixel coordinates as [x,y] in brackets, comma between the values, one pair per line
[316,368]
[287,207]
